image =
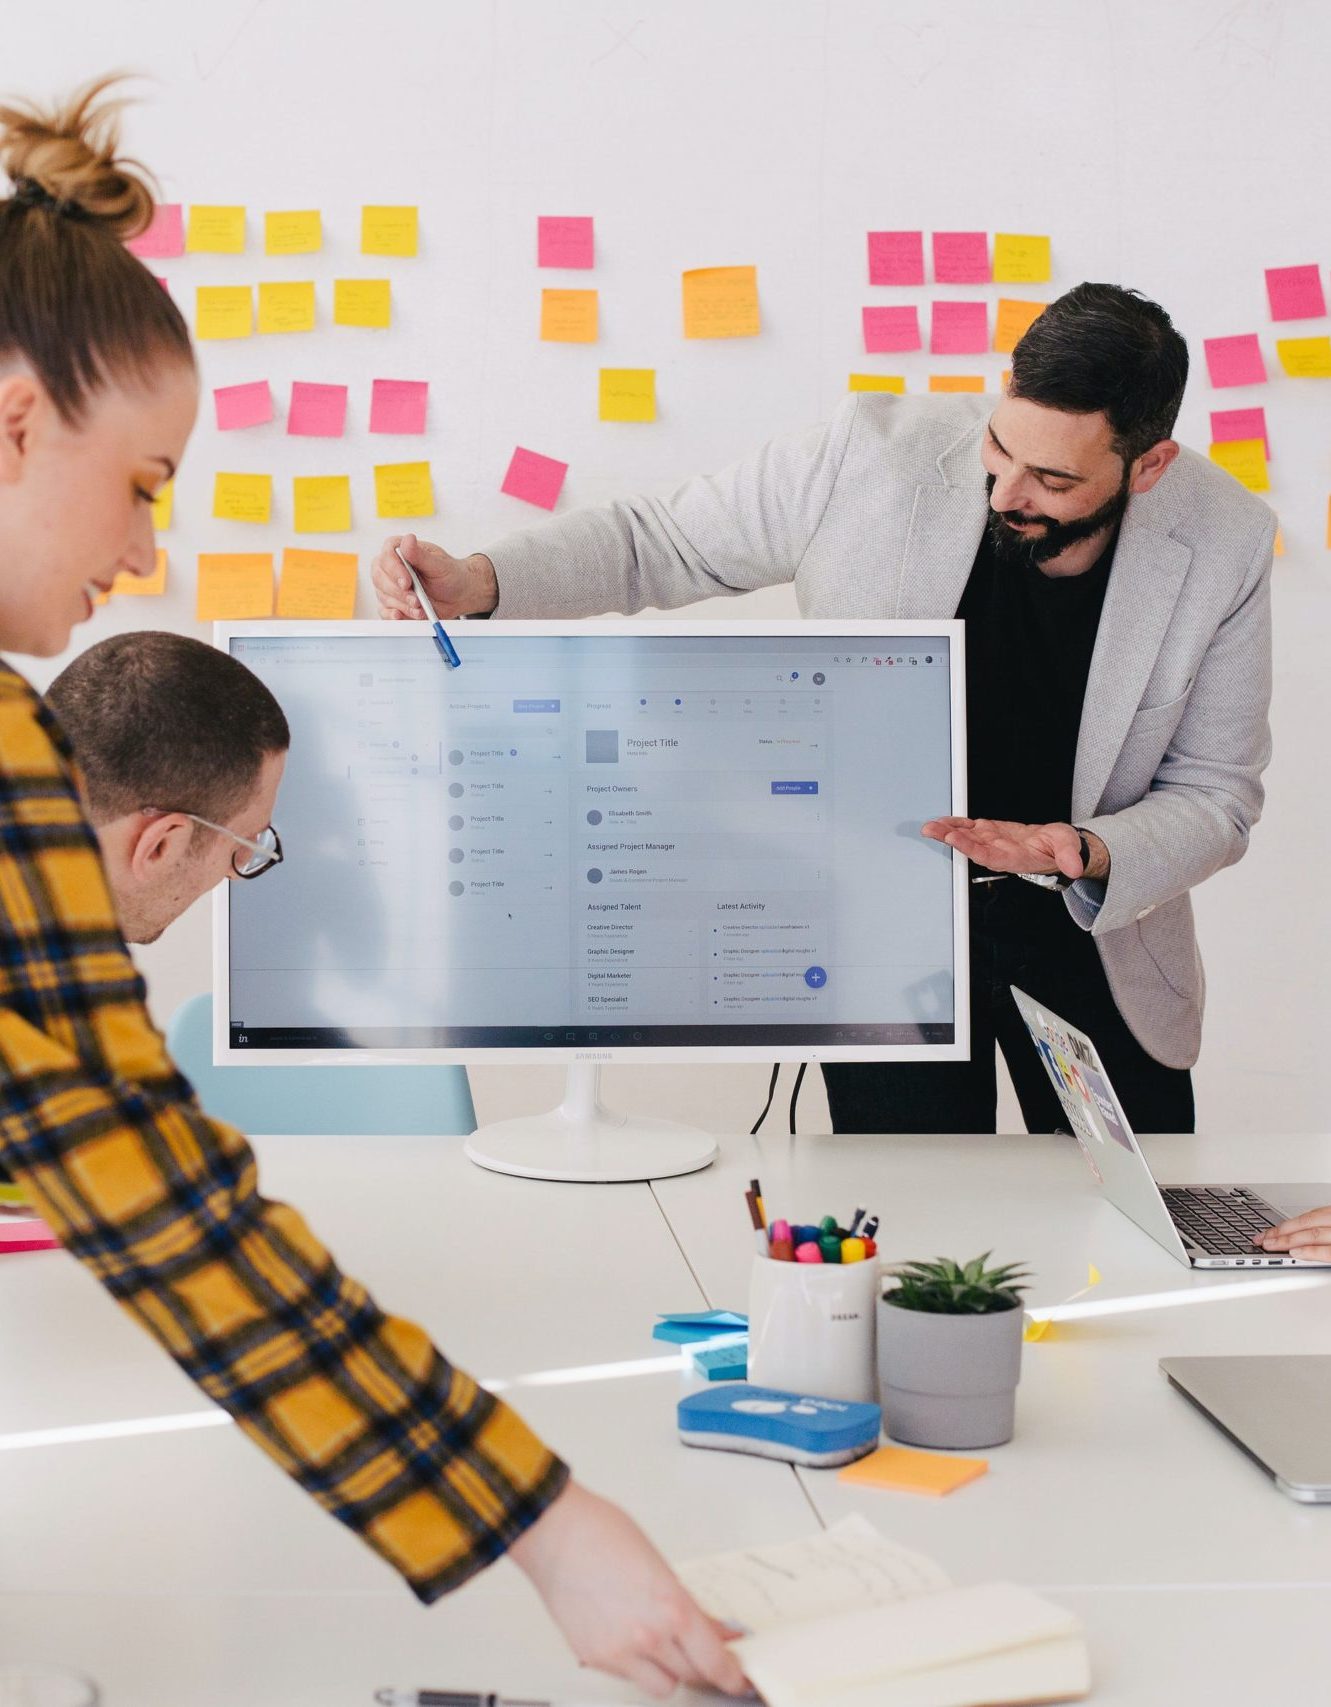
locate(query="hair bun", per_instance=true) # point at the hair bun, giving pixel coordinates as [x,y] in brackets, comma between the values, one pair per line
[70,151]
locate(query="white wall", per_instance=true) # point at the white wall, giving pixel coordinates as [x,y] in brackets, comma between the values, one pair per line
[1177,147]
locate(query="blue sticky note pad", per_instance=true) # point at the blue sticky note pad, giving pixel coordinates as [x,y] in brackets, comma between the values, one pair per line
[706,1318]
[790,1426]
[728,1362]
[689,1333]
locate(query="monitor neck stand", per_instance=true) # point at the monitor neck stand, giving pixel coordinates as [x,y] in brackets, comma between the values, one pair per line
[583,1140]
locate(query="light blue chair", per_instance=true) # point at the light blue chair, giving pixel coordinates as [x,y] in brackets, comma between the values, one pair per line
[317,1099]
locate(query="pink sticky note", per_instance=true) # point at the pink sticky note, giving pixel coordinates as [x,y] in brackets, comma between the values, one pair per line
[537,479]
[1230,424]
[165,236]
[961,257]
[317,411]
[896,257]
[959,329]
[891,329]
[243,405]
[1295,293]
[398,405]
[565,242]
[1235,361]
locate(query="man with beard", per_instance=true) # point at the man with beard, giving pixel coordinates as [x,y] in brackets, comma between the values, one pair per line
[1115,590]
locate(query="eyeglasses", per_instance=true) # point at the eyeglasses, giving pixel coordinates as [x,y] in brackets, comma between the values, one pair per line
[265,848]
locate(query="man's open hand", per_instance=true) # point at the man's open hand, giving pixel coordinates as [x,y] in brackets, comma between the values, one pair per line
[999,845]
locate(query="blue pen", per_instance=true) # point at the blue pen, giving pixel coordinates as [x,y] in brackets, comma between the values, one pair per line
[441,640]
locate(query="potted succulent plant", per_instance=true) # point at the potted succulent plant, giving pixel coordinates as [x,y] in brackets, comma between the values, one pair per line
[949,1352]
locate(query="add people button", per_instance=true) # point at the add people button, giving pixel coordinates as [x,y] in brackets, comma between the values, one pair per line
[815,977]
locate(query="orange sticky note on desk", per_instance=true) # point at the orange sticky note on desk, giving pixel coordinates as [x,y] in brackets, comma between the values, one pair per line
[903,1468]
[403,489]
[721,302]
[300,232]
[216,231]
[362,302]
[224,311]
[1014,320]
[321,503]
[318,584]
[569,316]
[234,585]
[287,306]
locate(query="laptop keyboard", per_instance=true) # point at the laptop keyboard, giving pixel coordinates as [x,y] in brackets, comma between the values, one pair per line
[1220,1220]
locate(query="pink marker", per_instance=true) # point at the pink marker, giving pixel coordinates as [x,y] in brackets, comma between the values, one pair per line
[808,1252]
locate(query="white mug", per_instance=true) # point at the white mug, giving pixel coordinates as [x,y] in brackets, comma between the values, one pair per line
[813,1328]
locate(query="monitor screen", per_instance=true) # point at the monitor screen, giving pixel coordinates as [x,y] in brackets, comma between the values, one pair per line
[598,840]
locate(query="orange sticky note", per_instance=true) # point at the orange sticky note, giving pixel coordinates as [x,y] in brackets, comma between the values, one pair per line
[913,1472]
[321,503]
[295,233]
[878,382]
[1278,549]
[143,586]
[956,382]
[628,393]
[287,307]
[403,489]
[721,302]
[243,497]
[1013,321]
[1019,259]
[362,302]
[223,311]
[234,585]
[388,231]
[162,506]
[318,584]
[216,231]
[569,316]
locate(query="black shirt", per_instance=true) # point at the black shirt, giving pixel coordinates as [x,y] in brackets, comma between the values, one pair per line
[1029,639]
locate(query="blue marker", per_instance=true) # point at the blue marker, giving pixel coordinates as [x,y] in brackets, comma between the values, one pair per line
[446,647]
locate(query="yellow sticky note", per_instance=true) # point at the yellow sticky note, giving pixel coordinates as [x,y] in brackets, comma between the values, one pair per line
[224,311]
[913,1472]
[1041,1329]
[216,231]
[721,302]
[569,316]
[143,586]
[628,393]
[234,585]
[243,497]
[1245,459]
[1020,259]
[403,489]
[297,233]
[362,302]
[163,504]
[1013,320]
[287,307]
[321,503]
[1278,549]
[1093,1275]
[388,231]
[1305,358]
[878,382]
[318,584]
[956,382]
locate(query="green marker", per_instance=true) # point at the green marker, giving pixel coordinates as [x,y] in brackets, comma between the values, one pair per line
[830,1245]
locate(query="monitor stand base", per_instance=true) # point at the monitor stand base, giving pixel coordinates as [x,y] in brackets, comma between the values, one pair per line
[583,1140]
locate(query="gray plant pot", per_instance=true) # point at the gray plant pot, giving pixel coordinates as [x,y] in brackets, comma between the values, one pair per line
[949,1380]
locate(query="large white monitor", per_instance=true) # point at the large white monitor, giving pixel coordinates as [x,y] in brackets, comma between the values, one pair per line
[641,840]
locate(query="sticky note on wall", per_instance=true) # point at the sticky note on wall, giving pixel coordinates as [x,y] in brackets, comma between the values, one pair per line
[234,586]
[1228,424]
[628,394]
[143,586]
[299,232]
[317,411]
[956,382]
[287,306]
[224,311]
[1295,293]
[721,302]
[569,316]
[1020,259]
[1235,361]
[317,584]
[243,405]
[890,328]
[165,235]
[565,241]
[389,230]
[398,405]
[959,328]
[321,503]
[896,257]
[1013,320]
[534,478]
[243,497]
[216,231]
[162,506]
[1245,459]
[1305,358]
[878,382]
[403,489]
[362,302]
[961,257]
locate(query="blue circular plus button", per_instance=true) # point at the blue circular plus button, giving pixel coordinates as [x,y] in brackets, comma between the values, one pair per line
[815,977]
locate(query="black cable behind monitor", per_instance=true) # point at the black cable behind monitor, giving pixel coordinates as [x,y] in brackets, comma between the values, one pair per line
[771,1092]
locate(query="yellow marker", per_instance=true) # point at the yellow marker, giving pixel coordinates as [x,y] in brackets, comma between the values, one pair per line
[243,497]
[1245,459]
[878,382]
[1020,259]
[721,302]
[852,1250]
[388,231]
[1305,358]
[287,307]
[224,311]
[628,394]
[1014,319]
[216,231]
[317,584]
[296,233]
[162,506]
[956,382]
[569,316]
[234,586]
[403,489]
[143,586]
[321,503]
[362,302]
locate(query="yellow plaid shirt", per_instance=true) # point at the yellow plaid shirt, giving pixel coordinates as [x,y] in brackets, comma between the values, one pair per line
[162,1204]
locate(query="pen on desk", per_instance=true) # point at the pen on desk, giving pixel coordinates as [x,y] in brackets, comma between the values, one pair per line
[450,1698]
[441,639]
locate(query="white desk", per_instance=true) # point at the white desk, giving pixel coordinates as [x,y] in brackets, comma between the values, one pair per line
[183,1570]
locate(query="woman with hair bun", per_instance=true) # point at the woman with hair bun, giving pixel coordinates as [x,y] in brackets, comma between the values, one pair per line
[98,395]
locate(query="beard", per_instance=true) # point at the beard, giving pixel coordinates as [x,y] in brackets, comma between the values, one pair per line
[1031,550]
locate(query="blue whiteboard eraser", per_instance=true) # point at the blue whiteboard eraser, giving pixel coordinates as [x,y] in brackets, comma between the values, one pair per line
[790,1426]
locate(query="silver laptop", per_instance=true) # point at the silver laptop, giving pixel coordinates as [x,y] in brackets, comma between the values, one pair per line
[1206,1226]
[1273,1408]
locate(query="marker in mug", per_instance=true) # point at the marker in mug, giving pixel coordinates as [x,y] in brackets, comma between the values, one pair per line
[441,639]
[759,1231]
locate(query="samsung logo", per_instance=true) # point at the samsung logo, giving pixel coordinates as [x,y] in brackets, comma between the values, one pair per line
[845,1315]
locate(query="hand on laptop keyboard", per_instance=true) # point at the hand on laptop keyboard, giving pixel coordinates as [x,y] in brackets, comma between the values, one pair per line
[1306,1236]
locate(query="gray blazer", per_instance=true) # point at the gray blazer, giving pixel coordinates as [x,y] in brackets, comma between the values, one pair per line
[880,513]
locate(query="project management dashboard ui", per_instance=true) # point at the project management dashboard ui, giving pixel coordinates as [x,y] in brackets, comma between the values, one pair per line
[605,839]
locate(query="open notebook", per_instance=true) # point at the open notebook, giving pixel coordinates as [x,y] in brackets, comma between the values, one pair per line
[848,1619]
